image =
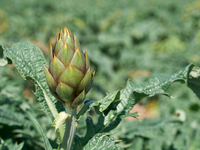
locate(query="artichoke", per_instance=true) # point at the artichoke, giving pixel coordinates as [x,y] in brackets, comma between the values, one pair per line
[69,75]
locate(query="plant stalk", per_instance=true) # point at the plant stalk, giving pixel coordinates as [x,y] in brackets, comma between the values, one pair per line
[70,129]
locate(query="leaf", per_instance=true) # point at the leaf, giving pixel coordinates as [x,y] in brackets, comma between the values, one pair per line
[4,145]
[118,104]
[37,126]
[102,142]
[60,118]
[194,80]
[85,108]
[156,84]
[11,118]
[29,61]
[151,133]
[19,133]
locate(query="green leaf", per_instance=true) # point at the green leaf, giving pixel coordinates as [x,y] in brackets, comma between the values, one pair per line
[194,79]
[118,104]
[11,118]
[102,142]
[39,129]
[85,108]
[151,133]
[20,133]
[4,145]
[60,118]
[29,61]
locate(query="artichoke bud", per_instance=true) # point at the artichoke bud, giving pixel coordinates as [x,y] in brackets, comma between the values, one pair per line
[69,75]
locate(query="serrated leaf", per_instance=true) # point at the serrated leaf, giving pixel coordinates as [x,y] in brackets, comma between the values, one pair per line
[118,104]
[102,142]
[156,84]
[29,60]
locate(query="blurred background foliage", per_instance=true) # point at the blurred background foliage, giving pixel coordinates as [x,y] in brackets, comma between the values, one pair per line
[124,39]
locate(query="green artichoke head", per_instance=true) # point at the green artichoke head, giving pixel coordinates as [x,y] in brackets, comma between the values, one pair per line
[69,75]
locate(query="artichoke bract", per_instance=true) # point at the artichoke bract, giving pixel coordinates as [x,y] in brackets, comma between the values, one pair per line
[69,75]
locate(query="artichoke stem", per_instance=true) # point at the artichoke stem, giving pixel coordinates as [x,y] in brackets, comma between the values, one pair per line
[70,129]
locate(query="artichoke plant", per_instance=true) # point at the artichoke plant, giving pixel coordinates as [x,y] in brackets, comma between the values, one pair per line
[69,75]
